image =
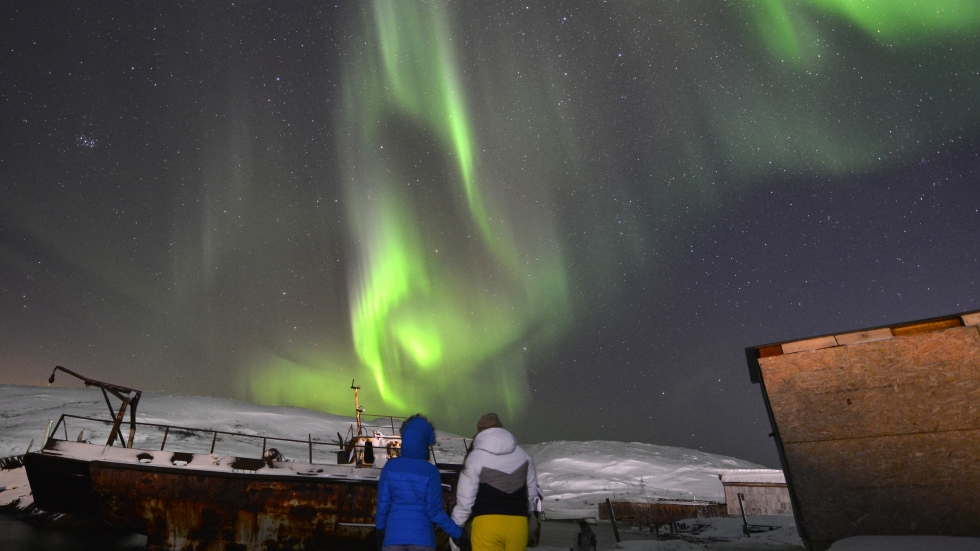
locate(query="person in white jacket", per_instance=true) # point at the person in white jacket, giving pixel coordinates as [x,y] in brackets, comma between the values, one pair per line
[495,489]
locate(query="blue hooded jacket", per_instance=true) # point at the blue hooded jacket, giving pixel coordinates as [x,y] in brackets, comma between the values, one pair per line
[410,492]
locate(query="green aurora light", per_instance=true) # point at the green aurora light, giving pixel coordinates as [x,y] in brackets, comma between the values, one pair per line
[785,27]
[445,300]
[420,325]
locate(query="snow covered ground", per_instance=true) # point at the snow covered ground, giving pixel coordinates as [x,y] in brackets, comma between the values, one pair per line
[575,476]
[694,534]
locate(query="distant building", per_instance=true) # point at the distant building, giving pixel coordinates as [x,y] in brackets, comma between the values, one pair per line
[764,492]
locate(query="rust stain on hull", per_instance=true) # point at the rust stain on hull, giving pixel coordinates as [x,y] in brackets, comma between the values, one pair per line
[207,511]
[184,509]
[197,512]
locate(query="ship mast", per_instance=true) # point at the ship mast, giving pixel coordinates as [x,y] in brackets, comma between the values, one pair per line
[357,406]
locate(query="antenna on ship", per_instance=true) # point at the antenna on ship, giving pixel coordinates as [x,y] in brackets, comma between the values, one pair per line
[357,406]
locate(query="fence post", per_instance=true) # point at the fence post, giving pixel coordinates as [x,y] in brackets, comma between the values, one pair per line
[745,522]
[310,440]
[612,519]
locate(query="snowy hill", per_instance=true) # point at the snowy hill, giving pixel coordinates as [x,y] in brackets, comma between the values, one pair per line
[574,476]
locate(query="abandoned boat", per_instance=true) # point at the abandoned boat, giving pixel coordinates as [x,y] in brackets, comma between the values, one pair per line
[195,501]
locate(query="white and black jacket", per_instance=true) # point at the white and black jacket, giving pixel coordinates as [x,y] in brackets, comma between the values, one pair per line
[498,478]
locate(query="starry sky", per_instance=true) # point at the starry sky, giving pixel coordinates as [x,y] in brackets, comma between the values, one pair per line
[575,214]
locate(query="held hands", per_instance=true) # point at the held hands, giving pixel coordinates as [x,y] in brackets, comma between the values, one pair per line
[461,543]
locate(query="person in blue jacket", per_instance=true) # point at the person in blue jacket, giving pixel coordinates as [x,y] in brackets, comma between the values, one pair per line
[410,494]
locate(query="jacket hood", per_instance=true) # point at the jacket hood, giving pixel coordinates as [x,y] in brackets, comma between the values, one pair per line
[417,436]
[496,441]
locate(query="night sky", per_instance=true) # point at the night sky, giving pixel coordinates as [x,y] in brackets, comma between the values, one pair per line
[576,214]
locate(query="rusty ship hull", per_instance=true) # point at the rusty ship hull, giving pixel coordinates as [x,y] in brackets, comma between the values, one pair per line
[206,502]
[197,502]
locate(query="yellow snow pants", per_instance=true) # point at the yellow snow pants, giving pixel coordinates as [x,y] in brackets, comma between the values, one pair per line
[499,533]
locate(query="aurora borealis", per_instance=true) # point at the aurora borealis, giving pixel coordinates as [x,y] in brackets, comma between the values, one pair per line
[417,308]
[577,214]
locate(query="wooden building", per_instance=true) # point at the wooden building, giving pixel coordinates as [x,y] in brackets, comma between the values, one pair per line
[763,491]
[878,430]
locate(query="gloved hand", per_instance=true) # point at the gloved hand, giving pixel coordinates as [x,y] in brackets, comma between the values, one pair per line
[461,543]
[380,538]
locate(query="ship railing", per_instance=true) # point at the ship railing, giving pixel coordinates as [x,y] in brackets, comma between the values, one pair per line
[216,437]
[203,440]
[367,428]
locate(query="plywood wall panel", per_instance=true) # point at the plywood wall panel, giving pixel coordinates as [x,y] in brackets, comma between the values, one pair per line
[882,437]
[909,484]
[921,383]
